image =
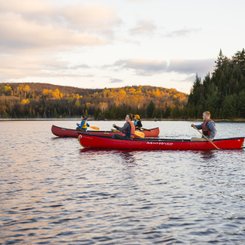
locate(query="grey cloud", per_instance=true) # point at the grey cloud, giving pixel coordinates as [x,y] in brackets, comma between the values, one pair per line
[116,80]
[150,67]
[59,65]
[181,32]
[191,66]
[143,67]
[81,66]
[65,74]
[20,67]
[143,27]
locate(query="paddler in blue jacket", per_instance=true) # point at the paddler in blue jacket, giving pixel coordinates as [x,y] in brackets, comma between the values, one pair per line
[137,122]
[208,126]
[83,126]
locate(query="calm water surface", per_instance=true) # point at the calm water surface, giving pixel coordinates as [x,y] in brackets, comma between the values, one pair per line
[53,192]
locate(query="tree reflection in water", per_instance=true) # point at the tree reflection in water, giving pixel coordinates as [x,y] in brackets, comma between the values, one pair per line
[128,158]
[207,155]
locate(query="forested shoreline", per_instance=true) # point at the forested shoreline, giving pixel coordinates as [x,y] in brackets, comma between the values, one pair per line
[31,100]
[222,92]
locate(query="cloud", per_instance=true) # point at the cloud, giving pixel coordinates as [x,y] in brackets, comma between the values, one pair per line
[24,66]
[30,7]
[40,37]
[21,67]
[36,24]
[81,66]
[92,18]
[143,27]
[201,66]
[181,32]
[141,66]
[116,80]
[35,33]
[18,33]
[150,67]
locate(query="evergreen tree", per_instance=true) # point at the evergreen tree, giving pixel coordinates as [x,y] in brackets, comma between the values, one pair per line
[221,92]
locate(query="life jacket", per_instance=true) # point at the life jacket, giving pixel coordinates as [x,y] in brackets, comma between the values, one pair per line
[205,129]
[84,124]
[137,123]
[132,129]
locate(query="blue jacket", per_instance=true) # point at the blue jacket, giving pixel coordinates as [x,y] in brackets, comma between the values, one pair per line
[83,125]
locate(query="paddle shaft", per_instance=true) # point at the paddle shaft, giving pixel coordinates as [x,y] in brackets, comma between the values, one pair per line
[206,138]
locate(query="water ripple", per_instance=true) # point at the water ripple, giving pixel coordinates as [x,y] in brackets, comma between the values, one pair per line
[53,192]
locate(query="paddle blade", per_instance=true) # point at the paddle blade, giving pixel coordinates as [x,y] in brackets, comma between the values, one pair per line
[95,128]
[139,134]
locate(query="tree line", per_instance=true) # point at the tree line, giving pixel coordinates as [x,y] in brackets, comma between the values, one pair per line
[222,92]
[44,101]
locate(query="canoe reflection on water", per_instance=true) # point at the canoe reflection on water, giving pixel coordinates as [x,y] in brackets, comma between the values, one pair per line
[207,155]
[128,157]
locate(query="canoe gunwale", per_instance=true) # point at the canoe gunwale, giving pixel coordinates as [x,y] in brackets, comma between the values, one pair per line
[91,131]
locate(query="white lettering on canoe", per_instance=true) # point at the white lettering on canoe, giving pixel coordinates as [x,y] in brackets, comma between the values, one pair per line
[159,143]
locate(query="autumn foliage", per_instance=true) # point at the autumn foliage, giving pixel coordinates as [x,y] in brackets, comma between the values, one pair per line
[46,100]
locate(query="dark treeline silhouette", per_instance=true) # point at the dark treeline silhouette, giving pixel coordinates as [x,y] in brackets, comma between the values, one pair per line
[222,92]
[34,100]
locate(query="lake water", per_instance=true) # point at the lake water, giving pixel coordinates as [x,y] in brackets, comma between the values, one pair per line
[53,192]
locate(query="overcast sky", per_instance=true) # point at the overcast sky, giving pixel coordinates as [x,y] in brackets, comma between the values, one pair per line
[114,43]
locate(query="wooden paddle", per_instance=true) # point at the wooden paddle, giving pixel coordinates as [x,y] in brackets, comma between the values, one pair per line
[95,128]
[206,137]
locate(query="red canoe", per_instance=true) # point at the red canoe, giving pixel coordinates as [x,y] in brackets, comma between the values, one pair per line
[100,142]
[65,132]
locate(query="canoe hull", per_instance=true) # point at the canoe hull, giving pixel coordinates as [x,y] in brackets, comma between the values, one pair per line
[98,142]
[66,132]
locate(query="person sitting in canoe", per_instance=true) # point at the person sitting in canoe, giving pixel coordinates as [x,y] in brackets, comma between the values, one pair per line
[83,126]
[137,122]
[128,128]
[208,126]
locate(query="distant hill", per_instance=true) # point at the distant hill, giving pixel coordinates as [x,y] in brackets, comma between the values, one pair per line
[47,100]
[38,88]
